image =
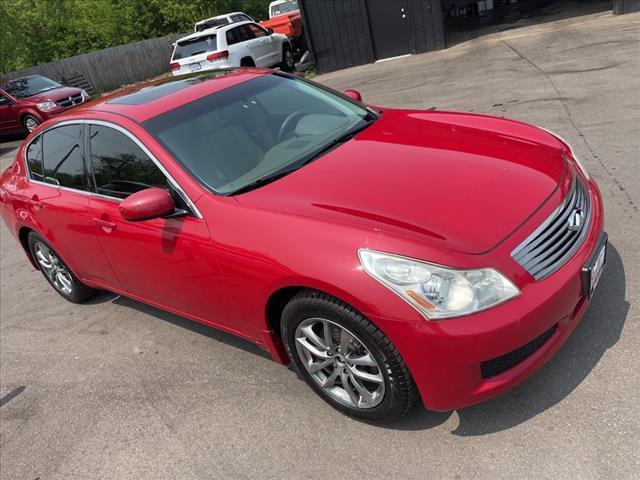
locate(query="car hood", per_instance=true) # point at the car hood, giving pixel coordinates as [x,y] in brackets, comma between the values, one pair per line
[465,180]
[54,95]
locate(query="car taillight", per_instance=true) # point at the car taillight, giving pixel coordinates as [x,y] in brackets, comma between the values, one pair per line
[174,66]
[218,55]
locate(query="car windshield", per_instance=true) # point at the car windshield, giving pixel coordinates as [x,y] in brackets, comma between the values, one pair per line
[245,136]
[195,46]
[29,86]
[283,8]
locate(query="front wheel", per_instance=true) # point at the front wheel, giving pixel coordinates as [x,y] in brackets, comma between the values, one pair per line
[349,362]
[30,123]
[287,65]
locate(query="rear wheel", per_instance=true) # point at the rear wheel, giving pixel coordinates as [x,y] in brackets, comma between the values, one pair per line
[30,123]
[287,65]
[349,362]
[247,62]
[56,271]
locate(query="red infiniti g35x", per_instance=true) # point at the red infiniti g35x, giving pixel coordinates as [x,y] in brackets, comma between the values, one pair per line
[389,254]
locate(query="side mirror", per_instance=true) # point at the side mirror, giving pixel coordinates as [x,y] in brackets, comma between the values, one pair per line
[147,204]
[269,31]
[4,101]
[353,94]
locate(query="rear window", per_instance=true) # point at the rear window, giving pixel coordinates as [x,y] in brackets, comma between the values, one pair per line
[283,8]
[188,48]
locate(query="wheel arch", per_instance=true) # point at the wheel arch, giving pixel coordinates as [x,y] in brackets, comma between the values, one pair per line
[23,238]
[247,57]
[278,299]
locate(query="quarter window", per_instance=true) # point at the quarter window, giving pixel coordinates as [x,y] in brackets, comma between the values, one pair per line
[34,158]
[233,36]
[63,156]
[120,167]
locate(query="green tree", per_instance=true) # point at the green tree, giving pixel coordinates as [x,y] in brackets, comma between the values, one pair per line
[40,31]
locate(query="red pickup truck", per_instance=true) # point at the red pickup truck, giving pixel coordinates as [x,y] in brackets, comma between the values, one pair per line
[285,18]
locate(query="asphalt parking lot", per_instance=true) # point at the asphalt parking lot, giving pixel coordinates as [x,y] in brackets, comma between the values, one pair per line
[116,389]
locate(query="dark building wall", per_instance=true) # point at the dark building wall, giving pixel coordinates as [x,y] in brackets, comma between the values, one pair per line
[625,6]
[339,33]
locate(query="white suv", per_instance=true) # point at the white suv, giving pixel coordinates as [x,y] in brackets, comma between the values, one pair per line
[244,44]
[222,20]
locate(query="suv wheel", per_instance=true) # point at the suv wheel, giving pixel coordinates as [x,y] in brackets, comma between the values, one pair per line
[287,65]
[247,62]
[349,362]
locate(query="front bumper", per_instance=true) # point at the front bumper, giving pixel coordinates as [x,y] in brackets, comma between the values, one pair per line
[450,359]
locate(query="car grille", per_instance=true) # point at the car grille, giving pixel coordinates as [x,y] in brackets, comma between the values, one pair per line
[501,364]
[70,101]
[558,238]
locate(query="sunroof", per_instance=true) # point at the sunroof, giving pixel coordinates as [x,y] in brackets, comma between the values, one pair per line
[159,90]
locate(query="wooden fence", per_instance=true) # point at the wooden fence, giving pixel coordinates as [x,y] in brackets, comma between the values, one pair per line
[109,68]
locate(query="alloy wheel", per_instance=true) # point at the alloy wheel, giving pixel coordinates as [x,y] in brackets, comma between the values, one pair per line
[31,124]
[339,363]
[288,59]
[56,272]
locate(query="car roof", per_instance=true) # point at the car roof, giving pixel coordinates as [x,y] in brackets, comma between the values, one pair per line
[146,100]
[225,15]
[212,30]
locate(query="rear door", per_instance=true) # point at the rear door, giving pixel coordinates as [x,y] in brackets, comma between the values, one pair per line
[163,261]
[57,200]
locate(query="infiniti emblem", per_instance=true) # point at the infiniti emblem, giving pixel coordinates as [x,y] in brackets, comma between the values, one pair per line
[576,219]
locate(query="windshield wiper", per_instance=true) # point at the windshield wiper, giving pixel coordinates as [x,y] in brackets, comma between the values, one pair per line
[345,137]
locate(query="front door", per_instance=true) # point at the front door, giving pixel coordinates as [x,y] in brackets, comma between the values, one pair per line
[8,117]
[162,261]
[389,23]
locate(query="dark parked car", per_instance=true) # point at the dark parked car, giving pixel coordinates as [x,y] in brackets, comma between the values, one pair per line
[28,101]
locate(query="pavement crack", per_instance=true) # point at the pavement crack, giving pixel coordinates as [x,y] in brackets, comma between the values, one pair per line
[575,126]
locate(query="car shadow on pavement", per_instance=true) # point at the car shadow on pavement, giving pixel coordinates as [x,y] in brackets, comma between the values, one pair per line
[194,326]
[599,330]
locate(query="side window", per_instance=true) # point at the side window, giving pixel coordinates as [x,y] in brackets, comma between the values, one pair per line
[63,157]
[120,167]
[257,31]
[34,158]
[245,33]
[232,36]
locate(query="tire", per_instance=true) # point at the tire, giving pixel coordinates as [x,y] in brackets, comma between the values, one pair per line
[30,123]
[391,393]
[247,62]
[287,65]
[59,276]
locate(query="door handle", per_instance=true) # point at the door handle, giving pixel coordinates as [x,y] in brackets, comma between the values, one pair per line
[106,225]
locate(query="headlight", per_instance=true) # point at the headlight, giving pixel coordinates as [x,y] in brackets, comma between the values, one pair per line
[438,292]
[44,106]
[85,95]
[573,154]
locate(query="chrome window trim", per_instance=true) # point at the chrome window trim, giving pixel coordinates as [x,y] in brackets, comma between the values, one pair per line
[125,132]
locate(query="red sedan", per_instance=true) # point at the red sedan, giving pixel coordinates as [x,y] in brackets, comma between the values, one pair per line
[390,254]
[28,101]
